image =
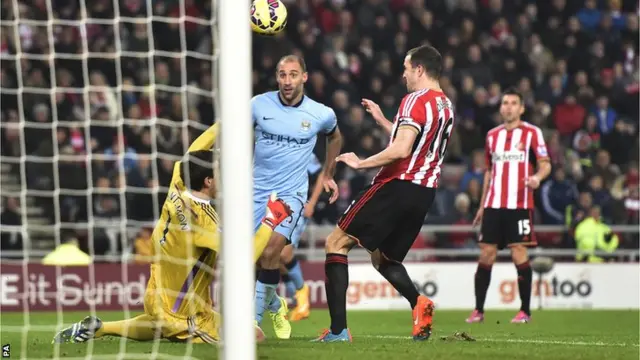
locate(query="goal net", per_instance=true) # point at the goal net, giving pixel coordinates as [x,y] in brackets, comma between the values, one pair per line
[99,98]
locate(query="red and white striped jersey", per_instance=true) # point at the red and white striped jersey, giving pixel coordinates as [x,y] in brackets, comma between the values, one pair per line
[508,155]
[431,113]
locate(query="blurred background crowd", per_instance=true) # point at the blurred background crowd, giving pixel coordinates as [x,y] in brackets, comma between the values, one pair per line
[574,61]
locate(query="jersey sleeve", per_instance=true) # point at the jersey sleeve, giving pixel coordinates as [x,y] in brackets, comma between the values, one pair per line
[176,179]
[539,146]
[412,112]
[206,140]
[330,122]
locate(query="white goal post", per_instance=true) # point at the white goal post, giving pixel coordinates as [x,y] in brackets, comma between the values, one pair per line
[237,178]
[84,51]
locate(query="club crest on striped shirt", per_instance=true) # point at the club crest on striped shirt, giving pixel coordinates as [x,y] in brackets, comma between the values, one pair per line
[306,125]
[442,104]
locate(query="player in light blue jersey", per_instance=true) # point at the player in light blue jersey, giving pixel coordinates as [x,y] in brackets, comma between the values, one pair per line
[286,124]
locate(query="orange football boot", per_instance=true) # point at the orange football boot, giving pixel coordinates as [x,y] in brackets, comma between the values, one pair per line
[302,309]
[423,318]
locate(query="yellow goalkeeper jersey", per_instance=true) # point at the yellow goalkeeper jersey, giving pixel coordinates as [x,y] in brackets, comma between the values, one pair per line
[185,245]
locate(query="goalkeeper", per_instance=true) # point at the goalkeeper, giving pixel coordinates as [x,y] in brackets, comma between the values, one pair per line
[177,301]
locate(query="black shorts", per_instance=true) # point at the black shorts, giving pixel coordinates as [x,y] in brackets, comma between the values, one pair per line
[507,227]
[388,217]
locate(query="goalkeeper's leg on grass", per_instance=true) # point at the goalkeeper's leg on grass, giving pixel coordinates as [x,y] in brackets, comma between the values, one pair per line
[201,329]
[139,328]
[146,328]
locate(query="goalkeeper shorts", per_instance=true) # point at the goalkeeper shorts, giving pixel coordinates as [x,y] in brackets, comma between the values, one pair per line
[201,328]
[197,329]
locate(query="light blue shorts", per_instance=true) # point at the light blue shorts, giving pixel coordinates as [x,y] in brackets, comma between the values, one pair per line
[291,228]
[298,231]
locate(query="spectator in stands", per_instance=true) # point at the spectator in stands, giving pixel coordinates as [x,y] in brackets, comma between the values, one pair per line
[120,148]
[67,253]
[474,190]
[603,167]
[106,202]
[463,216]
[593,235]
[557,152]
[557,194]
[568,116]
[620,142]
[143,247]
[10,240]
[566,57]
[10,132]
[580,158]
[600,195]
[443,205]
[632,205]
[606,116]
[575,213]
[476,169]
[102,96]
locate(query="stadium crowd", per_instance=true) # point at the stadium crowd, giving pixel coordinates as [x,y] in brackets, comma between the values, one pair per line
[575,62]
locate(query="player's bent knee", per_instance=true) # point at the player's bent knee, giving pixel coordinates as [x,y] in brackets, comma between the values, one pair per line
[274,247]
[270,258]
[376,259]
[332,241]
[488,254]
[519,254]
[269,254]
[338,242]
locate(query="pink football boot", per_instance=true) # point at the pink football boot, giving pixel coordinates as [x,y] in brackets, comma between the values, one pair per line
[521,318]
[475,317]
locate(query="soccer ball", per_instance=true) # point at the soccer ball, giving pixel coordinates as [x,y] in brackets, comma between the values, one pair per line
[268,17]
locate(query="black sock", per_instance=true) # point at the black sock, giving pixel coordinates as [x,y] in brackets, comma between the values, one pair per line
[482,280]
[524,286]
[284,278]
[336,269]
[396,274]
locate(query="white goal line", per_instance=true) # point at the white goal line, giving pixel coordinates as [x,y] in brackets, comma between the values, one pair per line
[129,356]
[519,341]
[434,339]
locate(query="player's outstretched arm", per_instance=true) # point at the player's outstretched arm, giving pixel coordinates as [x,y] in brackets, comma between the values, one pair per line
[334,145]
[399,149]
[203,142]
[375,111]
[206,140]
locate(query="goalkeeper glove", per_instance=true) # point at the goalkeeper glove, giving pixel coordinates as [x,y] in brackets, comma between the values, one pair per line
[277,212]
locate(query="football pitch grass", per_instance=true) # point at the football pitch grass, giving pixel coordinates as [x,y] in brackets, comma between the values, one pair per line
[552,334]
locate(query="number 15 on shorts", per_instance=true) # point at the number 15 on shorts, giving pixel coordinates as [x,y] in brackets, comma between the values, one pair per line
[524,227]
